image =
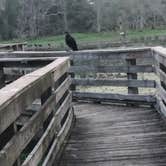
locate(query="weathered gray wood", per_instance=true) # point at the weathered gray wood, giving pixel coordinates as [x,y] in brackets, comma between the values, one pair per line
[18,95]
[112,53]
[160,59]
[114,97]
[13,46]
[2,78]
[63,88]
[162,75]
[36,155]
[161,92]
[24,136]
[18,161]
[26,62]
[113,135]
[113,69]
[160,51]
[123,83]
[54,127]
[56,146]
[160,107]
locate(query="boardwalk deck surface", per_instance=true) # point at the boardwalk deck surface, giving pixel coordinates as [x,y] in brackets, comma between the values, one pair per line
[106,135]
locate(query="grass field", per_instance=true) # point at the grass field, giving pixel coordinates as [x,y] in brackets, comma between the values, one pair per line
[90,37]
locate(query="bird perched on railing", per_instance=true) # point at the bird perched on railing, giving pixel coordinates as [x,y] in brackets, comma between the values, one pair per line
[70,41]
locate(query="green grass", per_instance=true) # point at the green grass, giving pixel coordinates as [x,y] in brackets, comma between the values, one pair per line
[90,37]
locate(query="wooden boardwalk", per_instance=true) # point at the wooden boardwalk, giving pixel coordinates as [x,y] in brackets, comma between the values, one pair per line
[106,135]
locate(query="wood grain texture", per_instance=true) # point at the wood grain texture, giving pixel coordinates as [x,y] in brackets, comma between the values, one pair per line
[107,135]
[116,98]
[116,83]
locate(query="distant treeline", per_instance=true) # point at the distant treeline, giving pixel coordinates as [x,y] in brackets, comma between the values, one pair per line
[33,18]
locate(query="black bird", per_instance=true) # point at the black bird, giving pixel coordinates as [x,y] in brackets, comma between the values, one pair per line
[70,41]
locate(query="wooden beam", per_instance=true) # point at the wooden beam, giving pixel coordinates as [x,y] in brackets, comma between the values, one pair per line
[117,83]
[26,62]
[59,141]
[24,136]
[118,98]
[113,69]
[21,93]
[40,149]
[144,52]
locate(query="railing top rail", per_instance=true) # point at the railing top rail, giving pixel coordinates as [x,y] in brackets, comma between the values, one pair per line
[17,86]
[121,50]
[91,54]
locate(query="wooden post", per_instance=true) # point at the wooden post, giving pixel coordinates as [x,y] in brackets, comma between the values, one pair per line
[72,87]
[14,47]
[18,161]
[130,76]
[2,78]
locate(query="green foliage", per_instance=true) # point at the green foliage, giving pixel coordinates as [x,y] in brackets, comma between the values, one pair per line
[80,15]
[113,36]
[34,18]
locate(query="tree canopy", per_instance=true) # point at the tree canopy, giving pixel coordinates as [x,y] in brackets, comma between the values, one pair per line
[32,18]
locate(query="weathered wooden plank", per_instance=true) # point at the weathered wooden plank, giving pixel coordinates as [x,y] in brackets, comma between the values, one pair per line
[21,93]
[91,54]
[64,107]
[161,51]
[113,69]
[63,88]
[23,137]
[57,144]
[162,75]
[161,92]
[123,83]
[36,155]
[26,62]
[104,134]
[160,59]
[13,46]
[161,107]
[114,97]
[18,96]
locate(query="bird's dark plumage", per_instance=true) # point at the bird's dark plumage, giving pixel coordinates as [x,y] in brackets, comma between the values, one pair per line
[70,41]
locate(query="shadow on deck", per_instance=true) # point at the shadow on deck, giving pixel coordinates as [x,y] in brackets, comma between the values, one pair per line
[107,135]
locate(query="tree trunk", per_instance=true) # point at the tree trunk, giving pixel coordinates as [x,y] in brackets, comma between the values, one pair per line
[98,7]
[65,15]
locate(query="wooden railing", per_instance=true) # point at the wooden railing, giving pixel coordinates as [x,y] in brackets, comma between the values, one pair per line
[36,110]
[36,116]
[126,63]
[87,67]
[12,47]
[159,54]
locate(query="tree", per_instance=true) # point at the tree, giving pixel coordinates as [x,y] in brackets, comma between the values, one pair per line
[80,15]
[8,19]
